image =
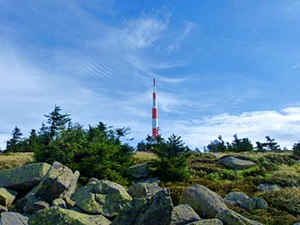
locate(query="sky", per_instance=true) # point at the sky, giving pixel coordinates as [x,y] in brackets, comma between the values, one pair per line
[221,67]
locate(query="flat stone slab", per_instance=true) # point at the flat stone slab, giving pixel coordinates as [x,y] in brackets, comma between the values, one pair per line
[57,215]
[236,163]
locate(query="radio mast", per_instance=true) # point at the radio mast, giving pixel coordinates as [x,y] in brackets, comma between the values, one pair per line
[154,113]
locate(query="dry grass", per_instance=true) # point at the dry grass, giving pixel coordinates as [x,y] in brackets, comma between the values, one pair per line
[11,160]
[143,157]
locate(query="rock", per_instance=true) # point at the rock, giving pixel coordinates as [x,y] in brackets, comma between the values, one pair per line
[3,209]
[31,204]
[205,202]
[269,187]
[236,163]
[7,197]
[57,215]
[93,180]
[24,177]
[13,218]
[230,217]
[298,223]
[69,203]
[156,210]
[102,197]
[72,187]
[260,203]
[143,190]
[207,222]
[60,203]
[240,199]
[54,183]
[183,214]
[139,171]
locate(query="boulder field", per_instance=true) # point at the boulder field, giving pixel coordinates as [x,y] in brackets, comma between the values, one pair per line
[43,194]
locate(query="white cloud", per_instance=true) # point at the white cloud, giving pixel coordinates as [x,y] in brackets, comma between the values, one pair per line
[3,139]
[282,125]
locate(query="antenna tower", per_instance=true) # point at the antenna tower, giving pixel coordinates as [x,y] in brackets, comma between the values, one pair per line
[154,113]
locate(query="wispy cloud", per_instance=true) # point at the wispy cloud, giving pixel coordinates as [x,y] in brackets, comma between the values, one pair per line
[181,37]
[139,33]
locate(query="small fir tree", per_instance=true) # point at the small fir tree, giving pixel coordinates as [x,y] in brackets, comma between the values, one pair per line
[172,163]
[16,143]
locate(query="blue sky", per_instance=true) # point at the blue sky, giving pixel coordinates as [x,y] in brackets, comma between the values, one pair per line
[222,67]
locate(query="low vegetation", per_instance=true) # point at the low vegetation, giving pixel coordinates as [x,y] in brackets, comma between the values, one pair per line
[12,160]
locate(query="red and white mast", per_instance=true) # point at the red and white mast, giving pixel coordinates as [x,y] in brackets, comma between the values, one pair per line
[154,113]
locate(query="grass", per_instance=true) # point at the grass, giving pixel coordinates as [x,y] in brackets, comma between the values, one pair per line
[12,160]
[144,157]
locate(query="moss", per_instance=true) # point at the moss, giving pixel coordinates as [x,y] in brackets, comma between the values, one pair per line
[59,216]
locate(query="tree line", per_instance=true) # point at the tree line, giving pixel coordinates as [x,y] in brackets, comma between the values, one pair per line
[102,151]
[242,145]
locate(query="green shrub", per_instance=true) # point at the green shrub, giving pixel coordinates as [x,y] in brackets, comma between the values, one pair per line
[96,152]
[172,162]
[296,149]
[287,200]
[267,164]
[253,171]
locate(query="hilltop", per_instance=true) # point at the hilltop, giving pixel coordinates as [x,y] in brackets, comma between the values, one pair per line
[273,177]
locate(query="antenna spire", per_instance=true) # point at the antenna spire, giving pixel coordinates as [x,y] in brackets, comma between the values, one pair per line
[154,113]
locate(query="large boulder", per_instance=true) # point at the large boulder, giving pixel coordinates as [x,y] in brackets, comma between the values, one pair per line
[236,163]
[139,171]
[57,215]
[269,187]
[156,210]
[72,187]
[143,189]
[7,197]
[183,214]
[13,218]
[31,204]
[206,203]
[54,183]
[24,177]
[230,217]
[207,222]
[102,197]
[242,200]
[260,203]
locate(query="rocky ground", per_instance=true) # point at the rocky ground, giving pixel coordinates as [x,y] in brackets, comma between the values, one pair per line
[222,189]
